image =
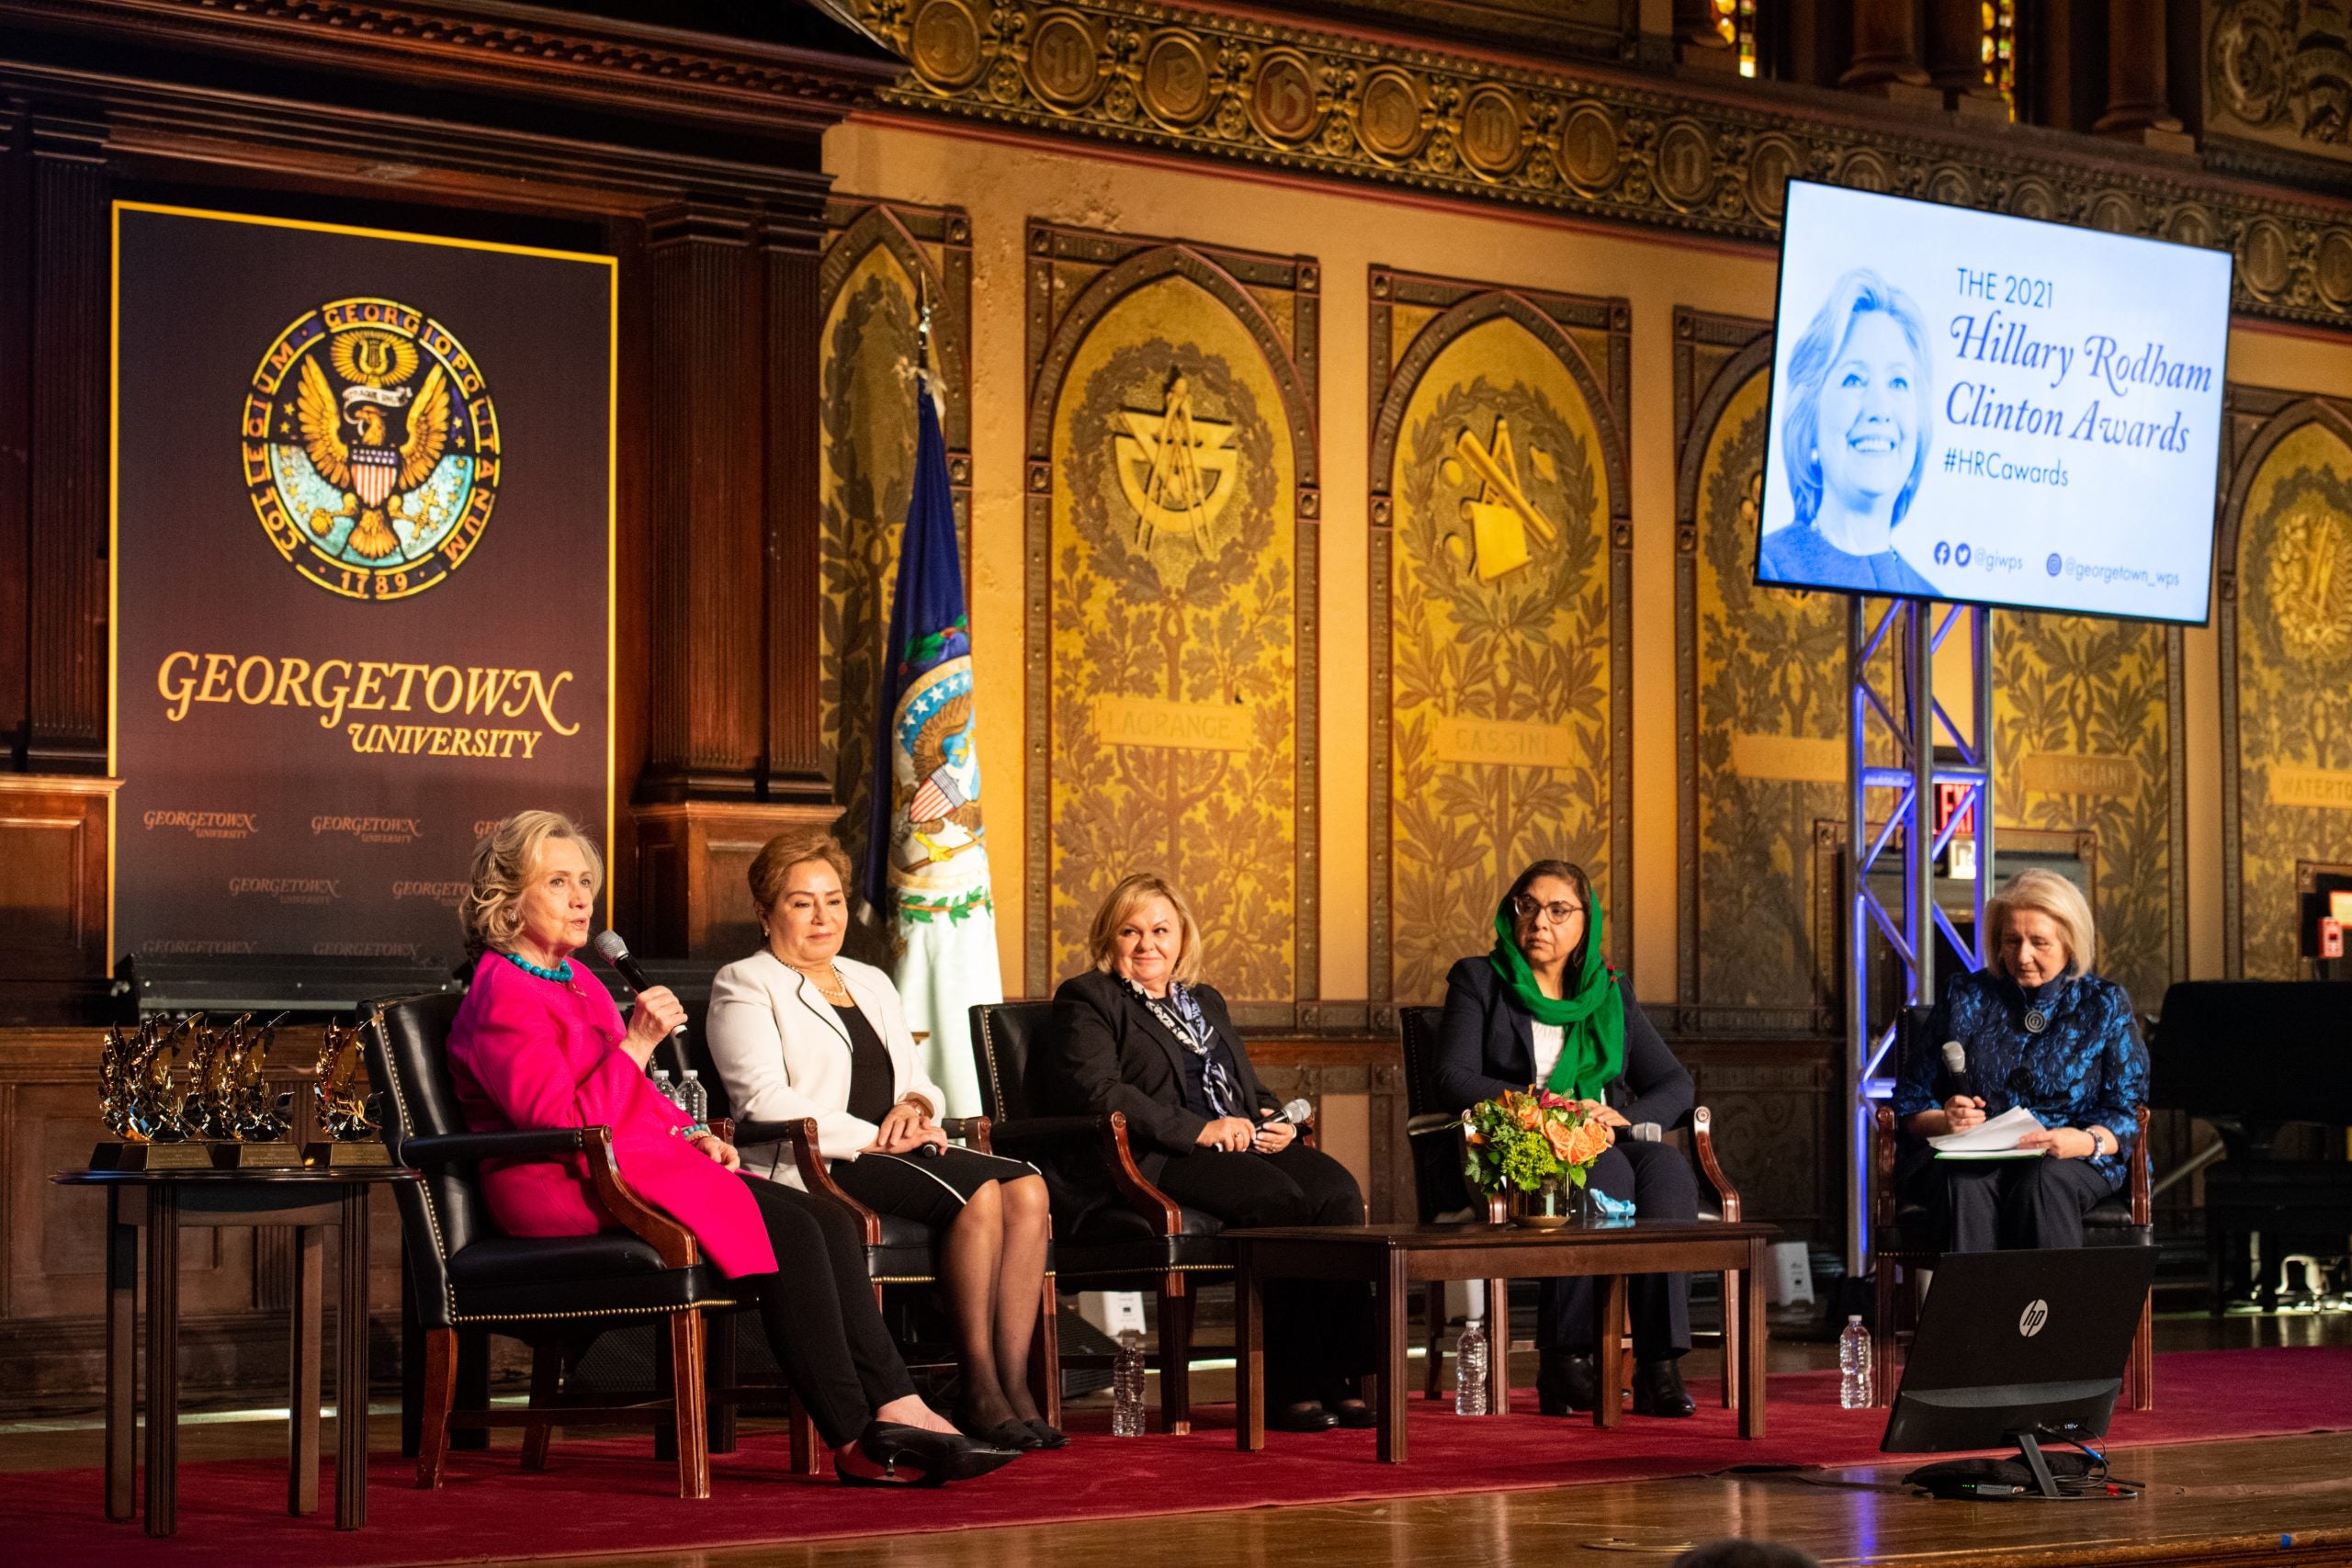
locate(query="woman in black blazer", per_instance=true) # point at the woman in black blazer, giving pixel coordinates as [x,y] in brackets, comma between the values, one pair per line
[1597,1048]
[1138,1033]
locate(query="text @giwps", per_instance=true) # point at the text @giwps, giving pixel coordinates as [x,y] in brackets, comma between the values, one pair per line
[336,688]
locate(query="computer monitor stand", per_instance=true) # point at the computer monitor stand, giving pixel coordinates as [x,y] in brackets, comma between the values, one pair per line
[2032,1474]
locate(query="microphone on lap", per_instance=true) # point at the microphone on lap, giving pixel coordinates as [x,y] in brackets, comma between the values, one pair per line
[614,952]
[1298,1113]
[1956,1072]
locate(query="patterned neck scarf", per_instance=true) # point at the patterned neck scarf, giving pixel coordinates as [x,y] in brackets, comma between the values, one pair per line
[1180,1013]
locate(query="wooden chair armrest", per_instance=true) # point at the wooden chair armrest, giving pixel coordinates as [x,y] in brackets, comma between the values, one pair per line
[972,1131]
[723,1128]
[2143,1201]
[1703,1136]
[673,1241]
[1128,1176]
[801,1133]
[1430,1123]
[1882,1169]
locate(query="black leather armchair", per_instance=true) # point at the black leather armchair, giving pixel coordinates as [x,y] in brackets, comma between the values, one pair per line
[1435,1134]
[1138,1238]
[555,1294]
[1900,1248]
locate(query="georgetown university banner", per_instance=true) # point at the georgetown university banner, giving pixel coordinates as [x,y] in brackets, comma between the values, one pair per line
[363,534]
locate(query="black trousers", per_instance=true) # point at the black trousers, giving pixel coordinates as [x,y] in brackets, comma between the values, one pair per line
[1658,1178]
[819,1313]
[1318,1335]
[1998,1205]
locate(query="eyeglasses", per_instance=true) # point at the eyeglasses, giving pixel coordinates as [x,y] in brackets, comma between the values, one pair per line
[1528,909]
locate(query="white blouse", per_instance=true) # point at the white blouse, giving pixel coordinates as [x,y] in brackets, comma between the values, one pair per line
[1550,1040]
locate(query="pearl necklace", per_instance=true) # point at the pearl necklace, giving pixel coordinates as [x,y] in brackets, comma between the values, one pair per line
[829,986]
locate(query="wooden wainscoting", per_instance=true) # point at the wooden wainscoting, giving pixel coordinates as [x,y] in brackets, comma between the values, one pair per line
[52,895]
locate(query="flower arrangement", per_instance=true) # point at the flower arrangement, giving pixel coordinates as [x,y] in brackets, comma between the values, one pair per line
[1523,1140]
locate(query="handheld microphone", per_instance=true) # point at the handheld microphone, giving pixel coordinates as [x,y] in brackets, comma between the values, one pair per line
[1298,1112]
[614,952]
[1956,1070]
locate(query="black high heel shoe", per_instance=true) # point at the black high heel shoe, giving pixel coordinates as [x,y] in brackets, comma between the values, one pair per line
[1010,1433]
[1565,1381]
[1048,1435]
[909,1456]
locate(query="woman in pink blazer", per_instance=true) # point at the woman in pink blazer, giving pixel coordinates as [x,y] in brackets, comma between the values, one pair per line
[537,1045]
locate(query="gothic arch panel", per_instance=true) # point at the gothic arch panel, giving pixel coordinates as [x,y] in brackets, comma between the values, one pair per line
[1172,506]
[1500,567]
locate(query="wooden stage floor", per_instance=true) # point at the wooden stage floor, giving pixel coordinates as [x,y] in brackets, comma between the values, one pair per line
[2285,1500]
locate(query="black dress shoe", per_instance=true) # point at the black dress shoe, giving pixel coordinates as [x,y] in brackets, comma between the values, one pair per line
[1048,1435]
[1301,1416]
[889,1454]
[1566,1381]
[1658,1390]
[1353,1413]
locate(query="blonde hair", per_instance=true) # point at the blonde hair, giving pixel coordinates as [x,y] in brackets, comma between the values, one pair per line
[492,912]
[2052,895]
[780,854]
[1130,895]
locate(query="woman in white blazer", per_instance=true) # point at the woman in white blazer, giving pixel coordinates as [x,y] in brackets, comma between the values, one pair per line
[797,1031]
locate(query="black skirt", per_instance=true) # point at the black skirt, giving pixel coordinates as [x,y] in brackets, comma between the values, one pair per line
[932,1189]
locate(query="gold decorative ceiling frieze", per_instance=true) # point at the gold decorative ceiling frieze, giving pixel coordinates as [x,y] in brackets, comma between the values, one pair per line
[1319,103]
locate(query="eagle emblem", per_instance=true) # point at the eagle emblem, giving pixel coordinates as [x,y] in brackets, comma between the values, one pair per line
[370,448]
[935,793]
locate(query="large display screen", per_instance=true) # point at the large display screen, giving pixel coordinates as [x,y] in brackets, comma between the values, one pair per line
[1968,406]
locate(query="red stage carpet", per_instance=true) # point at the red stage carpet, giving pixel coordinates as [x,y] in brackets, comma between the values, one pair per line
[609,1495]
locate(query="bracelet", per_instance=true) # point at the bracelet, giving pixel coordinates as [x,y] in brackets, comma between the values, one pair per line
[691,1131]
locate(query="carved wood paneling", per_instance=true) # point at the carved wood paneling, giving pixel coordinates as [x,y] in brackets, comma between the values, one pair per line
[53,887]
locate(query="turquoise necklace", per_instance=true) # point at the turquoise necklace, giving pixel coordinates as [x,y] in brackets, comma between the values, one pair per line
[561,975]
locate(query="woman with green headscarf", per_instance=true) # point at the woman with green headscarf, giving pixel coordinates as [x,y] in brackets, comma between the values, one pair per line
[1544,1009]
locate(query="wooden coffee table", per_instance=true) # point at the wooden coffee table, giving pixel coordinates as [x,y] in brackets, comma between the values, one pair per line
[1395,1258]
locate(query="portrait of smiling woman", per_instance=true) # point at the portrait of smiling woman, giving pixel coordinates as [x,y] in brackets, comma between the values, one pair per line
[1855,442]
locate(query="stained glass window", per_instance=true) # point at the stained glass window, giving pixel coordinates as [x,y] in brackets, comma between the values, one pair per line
[2000,47]
[1735,19]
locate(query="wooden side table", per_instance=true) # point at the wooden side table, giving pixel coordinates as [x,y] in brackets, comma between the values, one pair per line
[162,1201]
[1394,1258]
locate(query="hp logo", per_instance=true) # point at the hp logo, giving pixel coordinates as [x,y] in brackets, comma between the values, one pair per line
[2030,1321]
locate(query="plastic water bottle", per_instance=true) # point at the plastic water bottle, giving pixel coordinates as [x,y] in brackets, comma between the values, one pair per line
[1470,1368]
[693,1098]
[662,1081]
[1127,1386]
[1854,1365]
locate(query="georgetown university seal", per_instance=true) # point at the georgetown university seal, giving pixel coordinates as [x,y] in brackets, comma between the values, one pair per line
[370,448]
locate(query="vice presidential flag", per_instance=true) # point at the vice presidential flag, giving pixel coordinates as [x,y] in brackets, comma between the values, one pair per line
[927,862]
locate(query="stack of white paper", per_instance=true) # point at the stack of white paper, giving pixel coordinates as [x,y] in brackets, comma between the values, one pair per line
[1994,1139]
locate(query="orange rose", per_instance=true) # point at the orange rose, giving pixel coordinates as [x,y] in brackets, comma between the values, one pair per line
[1586,1144]
[1562,1141]
[1529,1114]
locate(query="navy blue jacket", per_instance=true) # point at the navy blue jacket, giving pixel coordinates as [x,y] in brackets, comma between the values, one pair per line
[1486,1045]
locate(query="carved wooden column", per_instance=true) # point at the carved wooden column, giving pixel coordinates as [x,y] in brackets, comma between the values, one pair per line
[2138,108]
[1956,58]
[792,246]
[1886,48]
[733,754]
[66,491]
